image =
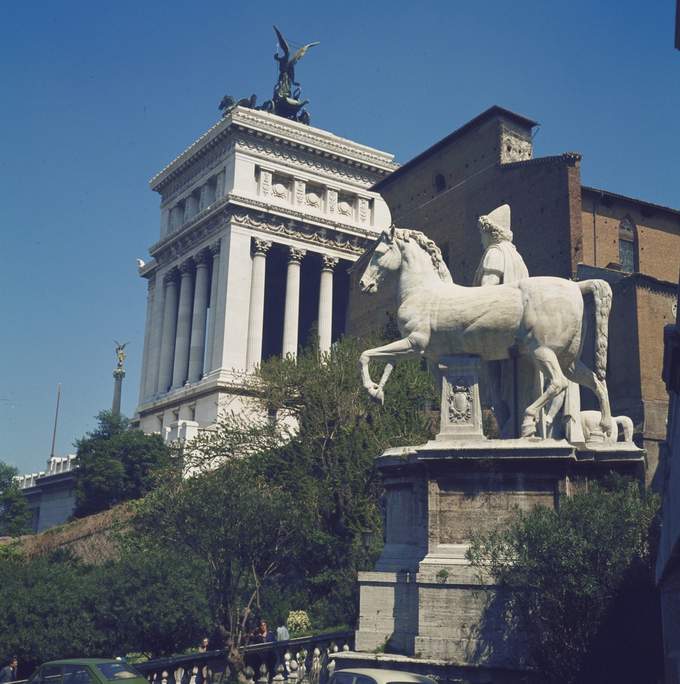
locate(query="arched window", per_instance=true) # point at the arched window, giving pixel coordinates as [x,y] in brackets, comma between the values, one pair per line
[439,182]
[627,256]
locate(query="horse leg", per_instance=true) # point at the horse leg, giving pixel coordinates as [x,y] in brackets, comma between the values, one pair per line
[580,373]
[545,360]
[391,352]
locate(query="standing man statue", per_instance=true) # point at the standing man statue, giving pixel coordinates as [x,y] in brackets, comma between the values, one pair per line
[513,384]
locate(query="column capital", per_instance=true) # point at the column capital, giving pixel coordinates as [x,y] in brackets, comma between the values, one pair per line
[261,246]
[296,254]
[187,267]
[203,257]
[328,263]
[170,276]
[214,248]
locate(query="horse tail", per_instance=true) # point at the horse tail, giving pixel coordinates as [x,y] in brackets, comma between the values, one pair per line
[602,296]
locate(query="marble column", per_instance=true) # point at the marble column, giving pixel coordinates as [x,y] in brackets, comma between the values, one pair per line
[169,329]
[186,295]
[146,367]
[256,317]
[326,303]
[199,319]
[214,281]
[291,314]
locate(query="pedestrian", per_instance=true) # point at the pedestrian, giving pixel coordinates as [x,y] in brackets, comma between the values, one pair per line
[9,672]
[205,643]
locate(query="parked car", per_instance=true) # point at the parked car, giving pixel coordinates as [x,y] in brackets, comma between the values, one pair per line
[369,675]
[86,671]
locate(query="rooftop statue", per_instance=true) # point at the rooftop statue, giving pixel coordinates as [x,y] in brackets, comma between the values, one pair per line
[287,100]
[537,318]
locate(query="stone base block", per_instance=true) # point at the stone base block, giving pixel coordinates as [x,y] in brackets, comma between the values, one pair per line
[424,600]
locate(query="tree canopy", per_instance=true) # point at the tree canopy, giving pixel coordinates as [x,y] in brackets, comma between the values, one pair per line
[115,464]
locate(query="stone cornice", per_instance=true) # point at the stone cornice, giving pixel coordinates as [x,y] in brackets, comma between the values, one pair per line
[271,126]
[276,221]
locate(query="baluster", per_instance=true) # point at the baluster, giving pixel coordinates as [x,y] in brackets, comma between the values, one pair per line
[264,675]
[346,647]
[206,675]
[315,669]
[286,660]
[301,657]
[278,678]
[292,671]
[194,674]
[331,668]
[178,675]
[164,677]
[249,674]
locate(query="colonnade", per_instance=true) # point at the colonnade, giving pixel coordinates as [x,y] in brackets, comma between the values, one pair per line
[181,348]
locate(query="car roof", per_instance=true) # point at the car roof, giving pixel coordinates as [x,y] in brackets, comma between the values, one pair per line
[381,675]
[84,661]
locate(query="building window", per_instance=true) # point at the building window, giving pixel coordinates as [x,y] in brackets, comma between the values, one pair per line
[627,245]
[439,183]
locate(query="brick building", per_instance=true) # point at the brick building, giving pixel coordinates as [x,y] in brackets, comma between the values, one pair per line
[561,228]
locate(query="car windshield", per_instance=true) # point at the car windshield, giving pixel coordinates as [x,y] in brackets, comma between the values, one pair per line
[114,671]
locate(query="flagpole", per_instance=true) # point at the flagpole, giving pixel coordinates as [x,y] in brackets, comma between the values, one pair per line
[56,417]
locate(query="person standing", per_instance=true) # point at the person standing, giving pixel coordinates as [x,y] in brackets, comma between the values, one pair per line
[9,672]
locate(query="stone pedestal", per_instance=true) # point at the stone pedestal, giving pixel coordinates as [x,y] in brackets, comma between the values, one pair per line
[423,600]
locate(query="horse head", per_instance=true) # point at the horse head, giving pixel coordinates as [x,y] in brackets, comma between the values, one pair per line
[385,257]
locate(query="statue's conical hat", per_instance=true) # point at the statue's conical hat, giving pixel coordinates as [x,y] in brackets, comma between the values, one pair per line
[500,216]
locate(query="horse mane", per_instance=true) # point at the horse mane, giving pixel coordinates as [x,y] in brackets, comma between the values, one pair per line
[427,245]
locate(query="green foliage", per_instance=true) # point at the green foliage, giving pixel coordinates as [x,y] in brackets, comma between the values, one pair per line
[15,515]
[48,610]
[571,582]
[115,464]
[155,603]
[57,607]
[320,452]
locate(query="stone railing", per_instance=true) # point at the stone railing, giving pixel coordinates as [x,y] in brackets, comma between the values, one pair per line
[307,660]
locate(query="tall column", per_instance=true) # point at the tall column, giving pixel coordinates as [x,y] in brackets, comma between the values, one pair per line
[214,280]
[256,317]
[186,295]
[291,314]
[146,354]
[198,322]
[169,329]
[326,303]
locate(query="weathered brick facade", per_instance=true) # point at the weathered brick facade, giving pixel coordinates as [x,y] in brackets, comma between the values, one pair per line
[558,224]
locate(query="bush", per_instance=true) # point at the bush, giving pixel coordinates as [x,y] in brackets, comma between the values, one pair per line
[571,581]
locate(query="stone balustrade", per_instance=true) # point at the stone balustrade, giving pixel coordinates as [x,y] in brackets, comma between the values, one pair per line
[307,660]
[55,466]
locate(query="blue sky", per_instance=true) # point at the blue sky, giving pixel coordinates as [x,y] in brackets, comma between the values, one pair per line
[97,97]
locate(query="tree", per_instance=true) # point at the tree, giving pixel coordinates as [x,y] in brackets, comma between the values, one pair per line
[15,515]
[116,464]
[233,522]
[577,584]
[321,451]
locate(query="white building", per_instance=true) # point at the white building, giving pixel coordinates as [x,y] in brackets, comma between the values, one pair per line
[260,218]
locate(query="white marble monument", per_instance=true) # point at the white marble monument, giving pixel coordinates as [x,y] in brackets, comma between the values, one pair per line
[257,207]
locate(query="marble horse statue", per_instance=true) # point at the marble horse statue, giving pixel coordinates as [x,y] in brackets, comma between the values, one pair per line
[538,317]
